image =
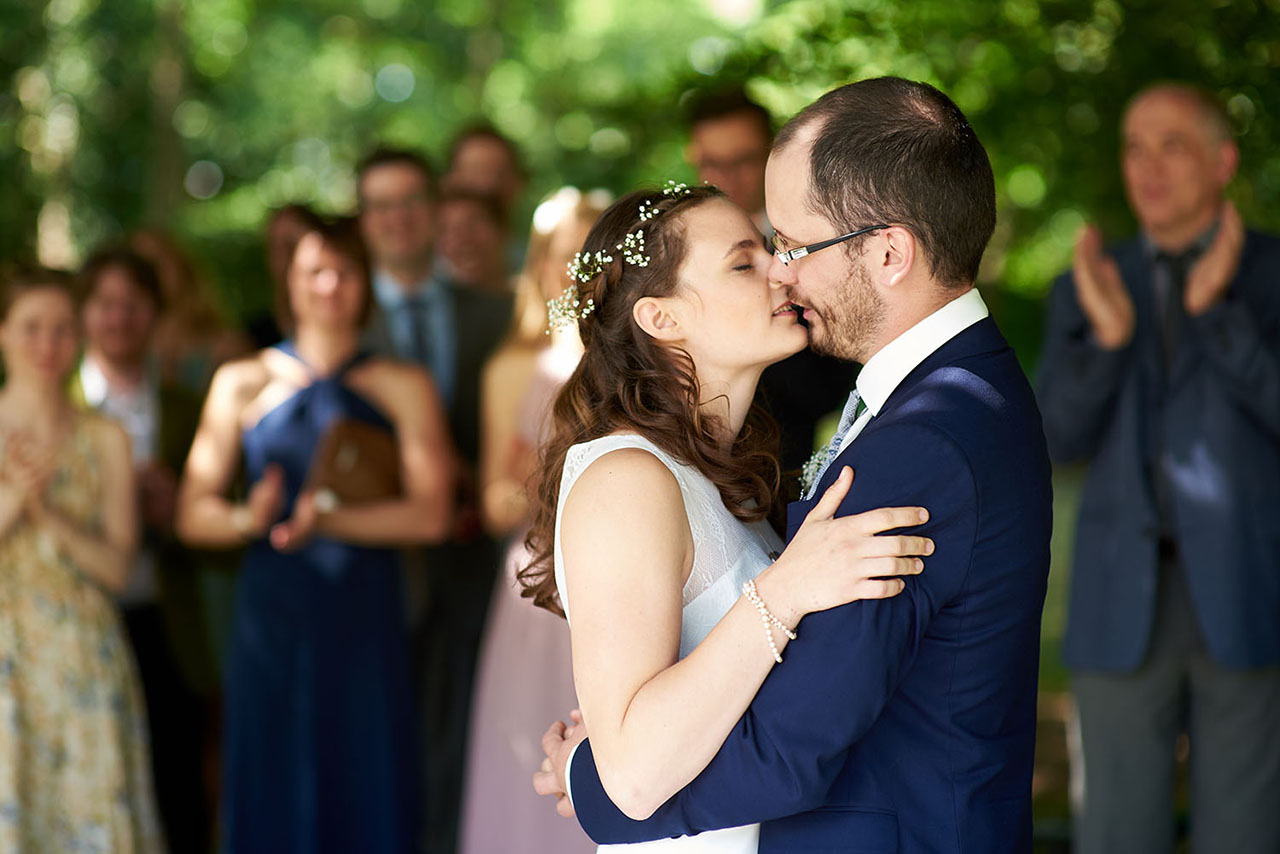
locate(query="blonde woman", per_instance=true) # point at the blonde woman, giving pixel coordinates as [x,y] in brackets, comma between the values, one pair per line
[524,674]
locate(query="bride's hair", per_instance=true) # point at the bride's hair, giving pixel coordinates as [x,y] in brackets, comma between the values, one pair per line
[626,381]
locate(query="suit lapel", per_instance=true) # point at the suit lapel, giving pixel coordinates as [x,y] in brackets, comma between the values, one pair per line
[1189,354]
[982,337]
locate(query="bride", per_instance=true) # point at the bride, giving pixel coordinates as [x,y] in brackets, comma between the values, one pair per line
[649,534]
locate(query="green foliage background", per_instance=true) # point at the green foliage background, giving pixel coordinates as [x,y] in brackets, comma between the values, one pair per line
[105,106]
[116,114]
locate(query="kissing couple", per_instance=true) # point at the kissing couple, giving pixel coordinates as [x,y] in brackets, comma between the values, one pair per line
[872,686]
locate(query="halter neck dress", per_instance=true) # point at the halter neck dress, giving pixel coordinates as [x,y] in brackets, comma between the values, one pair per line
[319,742]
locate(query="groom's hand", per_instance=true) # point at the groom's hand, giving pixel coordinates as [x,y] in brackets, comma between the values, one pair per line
[558,743]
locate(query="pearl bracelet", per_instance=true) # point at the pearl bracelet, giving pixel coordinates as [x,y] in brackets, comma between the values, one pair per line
[766,617]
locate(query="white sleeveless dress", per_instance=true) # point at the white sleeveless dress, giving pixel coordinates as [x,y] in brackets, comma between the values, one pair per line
[726,553]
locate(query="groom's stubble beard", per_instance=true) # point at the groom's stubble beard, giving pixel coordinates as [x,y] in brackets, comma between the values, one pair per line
[851,319]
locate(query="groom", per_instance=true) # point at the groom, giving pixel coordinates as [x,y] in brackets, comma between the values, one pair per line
[905,724]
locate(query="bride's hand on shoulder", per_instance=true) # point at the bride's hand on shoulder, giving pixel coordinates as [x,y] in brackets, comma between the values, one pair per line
[833,561]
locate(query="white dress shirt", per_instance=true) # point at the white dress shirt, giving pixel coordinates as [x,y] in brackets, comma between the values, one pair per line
[885,371]
[137,410]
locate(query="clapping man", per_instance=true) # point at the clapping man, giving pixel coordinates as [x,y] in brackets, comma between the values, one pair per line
[1162,370]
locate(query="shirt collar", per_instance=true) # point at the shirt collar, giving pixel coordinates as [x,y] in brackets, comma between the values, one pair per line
[96,388]
[93,382]
[390,294]
[885,370]
[1195,248]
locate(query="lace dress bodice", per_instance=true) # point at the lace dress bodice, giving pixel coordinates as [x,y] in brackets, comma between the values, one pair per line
[726,553]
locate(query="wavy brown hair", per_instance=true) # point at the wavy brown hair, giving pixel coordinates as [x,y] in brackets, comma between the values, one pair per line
[628,382]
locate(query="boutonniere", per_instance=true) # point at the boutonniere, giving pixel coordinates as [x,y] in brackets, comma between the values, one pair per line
[812,470]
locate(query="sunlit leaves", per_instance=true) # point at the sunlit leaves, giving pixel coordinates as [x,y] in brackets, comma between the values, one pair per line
[261,102]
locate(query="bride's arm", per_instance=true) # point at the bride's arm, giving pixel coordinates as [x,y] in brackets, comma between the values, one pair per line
[656,721]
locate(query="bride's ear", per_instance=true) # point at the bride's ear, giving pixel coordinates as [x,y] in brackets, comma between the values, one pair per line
[655,316]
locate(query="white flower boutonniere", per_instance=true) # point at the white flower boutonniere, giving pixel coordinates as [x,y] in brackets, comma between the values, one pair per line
[812,470]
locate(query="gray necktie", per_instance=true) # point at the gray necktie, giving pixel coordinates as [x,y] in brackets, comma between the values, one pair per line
[853,409]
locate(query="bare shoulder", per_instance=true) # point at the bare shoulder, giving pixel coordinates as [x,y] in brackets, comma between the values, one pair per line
[241,379]
[510,370]
[510,358]
[396,387]
[627,478]
[628,504]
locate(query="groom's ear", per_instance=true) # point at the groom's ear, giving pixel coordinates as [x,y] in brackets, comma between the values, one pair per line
[656,318]
[898,256]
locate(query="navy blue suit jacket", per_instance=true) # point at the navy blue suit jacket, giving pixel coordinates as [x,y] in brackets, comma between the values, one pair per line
[906,724]
[1218,412]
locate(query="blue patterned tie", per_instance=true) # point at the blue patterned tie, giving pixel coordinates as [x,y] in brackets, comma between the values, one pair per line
[853,410]
[416,307]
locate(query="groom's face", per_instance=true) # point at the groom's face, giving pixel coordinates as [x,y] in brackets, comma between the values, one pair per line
[832,288]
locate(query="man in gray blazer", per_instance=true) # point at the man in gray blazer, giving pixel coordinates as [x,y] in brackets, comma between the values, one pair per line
[421,316]
[1162,369]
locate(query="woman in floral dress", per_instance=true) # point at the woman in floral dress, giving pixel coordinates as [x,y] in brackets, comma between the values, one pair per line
[73,755]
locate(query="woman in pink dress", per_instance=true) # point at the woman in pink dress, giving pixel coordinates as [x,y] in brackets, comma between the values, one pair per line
[525,677]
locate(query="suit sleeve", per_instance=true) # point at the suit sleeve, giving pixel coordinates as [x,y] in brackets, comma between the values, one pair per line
[783,755]
[1242,344]
[1078,380]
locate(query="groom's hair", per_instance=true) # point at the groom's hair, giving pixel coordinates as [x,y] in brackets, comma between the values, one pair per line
[889,150]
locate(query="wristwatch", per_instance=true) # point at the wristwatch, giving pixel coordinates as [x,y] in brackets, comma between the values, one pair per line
[326,500]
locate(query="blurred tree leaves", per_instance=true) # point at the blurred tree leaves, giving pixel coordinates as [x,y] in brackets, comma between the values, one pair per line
[200,116]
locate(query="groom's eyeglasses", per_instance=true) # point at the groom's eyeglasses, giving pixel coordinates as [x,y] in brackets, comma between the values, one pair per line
[789,255]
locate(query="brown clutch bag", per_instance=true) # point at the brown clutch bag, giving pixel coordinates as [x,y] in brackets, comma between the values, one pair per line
[355,463]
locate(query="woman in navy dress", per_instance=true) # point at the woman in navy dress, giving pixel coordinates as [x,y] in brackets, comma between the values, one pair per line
[319,739]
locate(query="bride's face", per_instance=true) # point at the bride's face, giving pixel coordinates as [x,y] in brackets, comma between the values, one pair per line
[732,318]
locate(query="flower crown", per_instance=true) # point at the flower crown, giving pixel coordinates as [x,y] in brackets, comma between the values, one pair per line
[568,308]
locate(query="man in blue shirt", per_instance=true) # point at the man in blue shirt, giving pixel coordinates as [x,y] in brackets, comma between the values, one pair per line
[423,317]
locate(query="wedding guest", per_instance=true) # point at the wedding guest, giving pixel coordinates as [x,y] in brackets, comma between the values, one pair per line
[420,316]
[193,336]
[161,602]
[482,160]
[74,765]
[729,140]
[525,673]
[283,228]
[1161,369]
[347,457]
[473,240]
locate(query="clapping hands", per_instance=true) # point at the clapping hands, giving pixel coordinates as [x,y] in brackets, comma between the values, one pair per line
[1211,275]
[1101,292]
[1106,303]
[27,469]
[296,531]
